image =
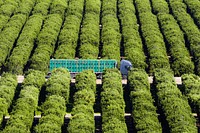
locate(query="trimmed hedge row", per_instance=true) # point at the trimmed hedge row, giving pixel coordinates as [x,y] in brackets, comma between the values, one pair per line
[131,37]
[12,29]
[9,6]
[112,102]
[59,83]
[90,32]
[59,7]
[25,7]
[153,38]
[181,62]
[190,29]
[8,84]
[9,35]
[69,34]
[191,84]
[46,42]
[110,34]
[160,6]
[47,37]
[194,9]
[144,112]
[42,7]
[174,105]
[25,44]
[21,117]
[54,107]
[3,20]
[6,10]
[82,119]
[26,41]
[52,117]
[87,79]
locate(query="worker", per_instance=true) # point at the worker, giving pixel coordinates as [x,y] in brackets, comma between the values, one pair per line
[125,66]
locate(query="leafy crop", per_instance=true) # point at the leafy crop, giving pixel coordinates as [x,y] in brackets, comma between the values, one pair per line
[144,112]
[112,102]
[21,118]
[25,44]
[90,32]
[82,113]
[194,9]
[130,32]
[181,62]
[110,34]
[190,29]
[8,84]
[191,85]
[152,36]
[68,38]
[175,107]
[59,83]
[54,107]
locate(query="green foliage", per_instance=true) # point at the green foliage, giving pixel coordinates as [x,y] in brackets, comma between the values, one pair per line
[112,102]
[88,51]
[69,34]
[19,127]
[85,97]
[190,29]
[181,62]
[175,107]
[22,114]
[86,80]
[42,7]
[34,78]
[82,123]
[191,85]
[54,107]
[82,119]
[58,7]
[138,80]
[153,38]
[23,111]
[109,77]
[59,83]
[9,35]
[114,125]
[8,84]
[53,112]
[3,20]
[46,42]
[160,6]
[131,38]
[90,32]
[25,7]
[1,2]
[9,7]
[111,36]
[194,9]
[48,36]
[25,44]
[8,79]
[144,111]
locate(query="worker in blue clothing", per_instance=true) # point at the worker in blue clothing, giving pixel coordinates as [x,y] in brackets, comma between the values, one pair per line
[125,66]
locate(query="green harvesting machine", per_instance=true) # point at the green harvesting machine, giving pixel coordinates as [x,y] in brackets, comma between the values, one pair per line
[75,66]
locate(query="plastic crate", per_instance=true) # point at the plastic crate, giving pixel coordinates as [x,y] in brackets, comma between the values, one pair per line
[79,65]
